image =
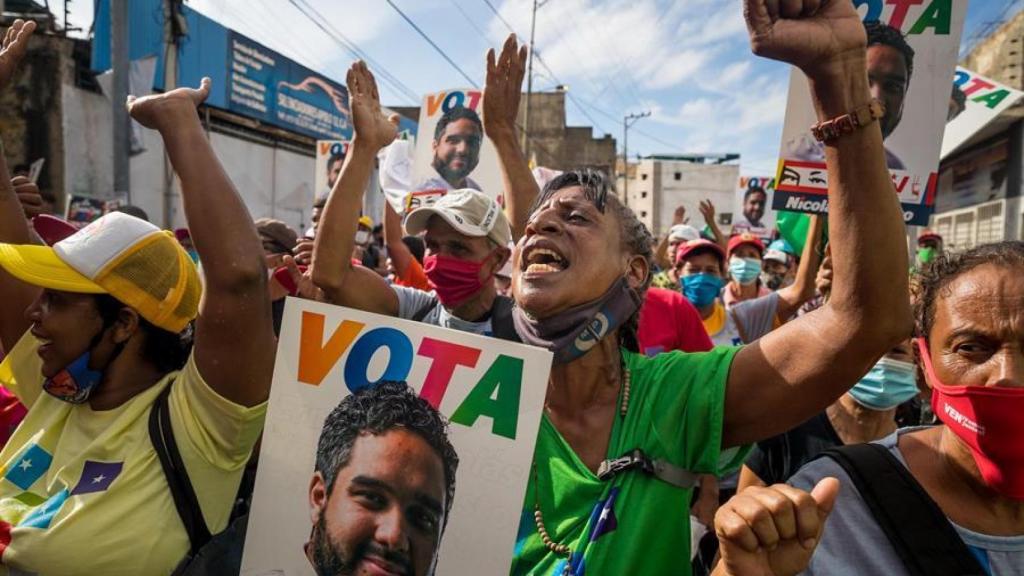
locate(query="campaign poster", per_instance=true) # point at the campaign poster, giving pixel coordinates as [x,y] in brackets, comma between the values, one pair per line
[492,393]
[451,150]
[974,102]
[82,210]
[330,157]
[752,211]
[912,51]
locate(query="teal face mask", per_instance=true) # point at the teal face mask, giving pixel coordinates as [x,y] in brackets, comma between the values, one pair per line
[888,384]
[744,270]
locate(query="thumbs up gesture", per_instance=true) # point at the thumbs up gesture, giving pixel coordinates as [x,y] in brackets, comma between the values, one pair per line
[772,531]
[813,35]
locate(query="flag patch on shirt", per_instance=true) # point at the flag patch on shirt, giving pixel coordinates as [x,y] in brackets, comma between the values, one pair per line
[29,467]
[97,476]
[41,516]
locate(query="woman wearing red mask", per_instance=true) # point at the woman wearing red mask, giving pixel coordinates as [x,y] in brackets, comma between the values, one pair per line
[970,327]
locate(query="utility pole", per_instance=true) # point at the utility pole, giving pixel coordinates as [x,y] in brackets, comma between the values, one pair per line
[627,121]
[119,63]
[529,80]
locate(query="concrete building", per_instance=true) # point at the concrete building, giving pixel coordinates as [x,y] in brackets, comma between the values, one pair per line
[659,184]
[980,185]
[555,145]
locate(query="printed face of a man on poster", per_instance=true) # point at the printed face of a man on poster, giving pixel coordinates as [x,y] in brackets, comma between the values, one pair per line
[457,140]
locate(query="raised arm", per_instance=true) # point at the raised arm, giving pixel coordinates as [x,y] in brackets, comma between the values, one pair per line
[501,106]
[234,339]
[792,297]
[797,370]
[15,295]
[707,209]
[399,253]
[344,284]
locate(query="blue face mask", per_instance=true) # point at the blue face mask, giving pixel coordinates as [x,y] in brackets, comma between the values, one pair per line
[74,383]
[701,289]
[888,384]
[744,270]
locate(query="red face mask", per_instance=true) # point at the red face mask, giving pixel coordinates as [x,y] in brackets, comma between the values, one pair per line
[988,419]
[454,280]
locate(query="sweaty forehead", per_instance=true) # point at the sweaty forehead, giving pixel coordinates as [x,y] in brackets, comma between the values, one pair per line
[988,299]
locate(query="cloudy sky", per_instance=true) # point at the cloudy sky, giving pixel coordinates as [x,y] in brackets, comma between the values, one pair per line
[686,61]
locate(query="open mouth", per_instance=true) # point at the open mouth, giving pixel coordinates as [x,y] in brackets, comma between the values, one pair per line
[542,260]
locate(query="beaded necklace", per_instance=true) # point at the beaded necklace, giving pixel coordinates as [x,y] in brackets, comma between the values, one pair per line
[538,516]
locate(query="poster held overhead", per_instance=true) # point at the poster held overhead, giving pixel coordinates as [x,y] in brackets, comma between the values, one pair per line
[331,365]
[974,102]
[912,50]
[451,150]
[752,207]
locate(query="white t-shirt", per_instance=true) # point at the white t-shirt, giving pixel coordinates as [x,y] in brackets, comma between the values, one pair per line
[411,301]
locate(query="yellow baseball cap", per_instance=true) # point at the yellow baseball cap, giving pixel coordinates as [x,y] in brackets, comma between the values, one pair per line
[366,221]
[132,260]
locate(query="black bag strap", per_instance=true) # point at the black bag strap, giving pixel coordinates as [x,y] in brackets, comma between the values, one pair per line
[502,325]
[919,532]
[162,436]
[422,312]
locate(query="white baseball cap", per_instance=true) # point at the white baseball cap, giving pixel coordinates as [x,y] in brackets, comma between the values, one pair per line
[683,232]
[470,212]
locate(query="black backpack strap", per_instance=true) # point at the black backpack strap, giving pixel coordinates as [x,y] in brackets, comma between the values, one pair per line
[502,325]
[162,436]
[919,532]
[422,312]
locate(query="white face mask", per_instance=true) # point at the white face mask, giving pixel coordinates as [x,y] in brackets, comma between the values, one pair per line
[362,237]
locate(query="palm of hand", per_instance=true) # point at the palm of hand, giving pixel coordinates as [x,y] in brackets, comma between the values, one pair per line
[150,110]
[370,123]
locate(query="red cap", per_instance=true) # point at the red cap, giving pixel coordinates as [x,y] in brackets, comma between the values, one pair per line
[182,234]
[929,235]
[52,229]
[686,248]
[745,238]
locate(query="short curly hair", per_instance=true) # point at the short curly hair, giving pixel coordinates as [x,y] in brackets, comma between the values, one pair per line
[937,275]
[376,410]
[635,235]
[884,34]
[453,115]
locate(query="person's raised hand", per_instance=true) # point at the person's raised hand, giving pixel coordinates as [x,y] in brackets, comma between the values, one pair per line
[29,197]
[679,216]
[707,210]
[812,35]
[15,44]
[503,88]
[773,531]
[157,111]
[371,126]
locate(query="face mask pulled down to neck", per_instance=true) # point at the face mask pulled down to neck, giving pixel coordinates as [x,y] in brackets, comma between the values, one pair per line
[454,280]
[701,289]
[744,270]
[75,383]
[888,384]
[988,420]
[574,332]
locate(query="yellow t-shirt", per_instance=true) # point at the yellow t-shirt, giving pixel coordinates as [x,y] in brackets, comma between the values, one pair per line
[82,492]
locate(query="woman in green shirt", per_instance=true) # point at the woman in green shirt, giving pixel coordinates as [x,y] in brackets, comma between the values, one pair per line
[622,435]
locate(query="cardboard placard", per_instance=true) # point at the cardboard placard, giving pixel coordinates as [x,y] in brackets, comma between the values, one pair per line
[492,391]
[460,156]
[917,104]
[976,101]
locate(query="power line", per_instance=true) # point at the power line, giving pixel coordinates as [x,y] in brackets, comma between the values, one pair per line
[468,19]
[433,44]
[503,21]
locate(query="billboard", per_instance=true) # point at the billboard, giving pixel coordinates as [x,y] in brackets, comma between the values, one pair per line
[911,57]
[491,391]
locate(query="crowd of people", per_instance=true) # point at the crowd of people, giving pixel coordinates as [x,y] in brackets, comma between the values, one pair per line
[839,409]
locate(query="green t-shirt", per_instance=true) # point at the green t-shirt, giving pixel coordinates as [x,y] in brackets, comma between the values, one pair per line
[634,523]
